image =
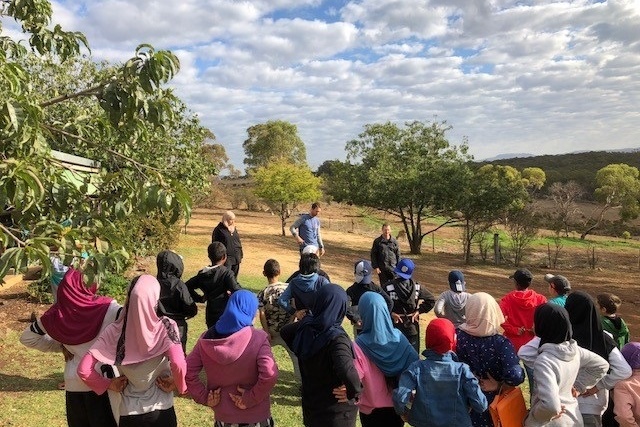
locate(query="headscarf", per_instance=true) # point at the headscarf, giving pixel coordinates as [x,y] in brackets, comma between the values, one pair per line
[587,326]
[551,323]
[239,312]
[483,315]
[324,324]
[631,353]
[139,334]
[441,336]
[77,316]
[383,344]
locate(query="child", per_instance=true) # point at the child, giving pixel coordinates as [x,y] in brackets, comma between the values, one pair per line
[626,393]
[559,287]
[611,322]
[216,282]
[272,316]
[444,388]
[302,288]
[363,283]
[239,366]
[451,303]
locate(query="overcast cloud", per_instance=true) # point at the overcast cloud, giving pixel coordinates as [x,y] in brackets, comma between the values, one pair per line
[525,76]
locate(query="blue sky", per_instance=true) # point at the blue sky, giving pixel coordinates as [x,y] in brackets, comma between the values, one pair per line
[540,77]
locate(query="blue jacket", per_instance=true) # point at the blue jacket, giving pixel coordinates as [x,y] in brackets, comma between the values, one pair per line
[302,289]
[445,389]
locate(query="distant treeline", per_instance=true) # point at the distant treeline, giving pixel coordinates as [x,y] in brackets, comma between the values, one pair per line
[579,167]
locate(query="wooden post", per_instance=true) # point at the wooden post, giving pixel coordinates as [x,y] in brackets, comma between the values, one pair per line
[433,242]
[496,248]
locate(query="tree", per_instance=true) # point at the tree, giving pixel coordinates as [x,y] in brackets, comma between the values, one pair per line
[565,195]
[284,185]
[140,133]
[273,141]
[410,172]
[618,186]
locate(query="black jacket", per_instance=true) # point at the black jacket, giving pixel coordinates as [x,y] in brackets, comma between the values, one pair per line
[175,300]
[231,241]
[408,297]
[217,284]
[385,254]
[355,291]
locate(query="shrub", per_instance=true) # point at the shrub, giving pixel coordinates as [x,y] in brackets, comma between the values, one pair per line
[114,286]
[40,290]
[148,235]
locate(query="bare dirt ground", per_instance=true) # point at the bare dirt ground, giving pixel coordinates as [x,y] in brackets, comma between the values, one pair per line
[348,237]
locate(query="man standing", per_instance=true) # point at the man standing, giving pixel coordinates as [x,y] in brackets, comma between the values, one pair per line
[385,255]
[306,229]
[227,234]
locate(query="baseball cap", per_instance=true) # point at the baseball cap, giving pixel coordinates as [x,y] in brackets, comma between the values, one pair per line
[362,272]
[310,249]
[522,276]
[560,283]
[456,281]
[404,268]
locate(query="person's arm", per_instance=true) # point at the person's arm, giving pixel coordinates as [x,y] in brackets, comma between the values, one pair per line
[193,284]
[476,398]
[178,367]
[264,323]
[623,404]
[189,307]
[509,328]
[196,388]
[320,244]
[374,256]
[528,353]
[428,300]
[285,301]
[342,358]
[619,370]
[592,369]
[230,282]
[35,337]
[397,250]
[295,227]
[267,375]
[403,395]
[511,373]
[288,333]
[91,377]
[438,309]
[548,404]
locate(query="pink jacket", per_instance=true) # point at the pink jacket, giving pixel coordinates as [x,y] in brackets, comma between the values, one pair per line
[626,400]
[375,393]
[243,359]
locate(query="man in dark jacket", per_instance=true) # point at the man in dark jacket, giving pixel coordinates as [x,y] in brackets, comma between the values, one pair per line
[227,234]
[175,300]
[216,282]
[410,299]
[385,255]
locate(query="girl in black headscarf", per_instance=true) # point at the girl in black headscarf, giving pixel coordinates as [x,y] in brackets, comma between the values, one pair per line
[588,333]
[326,360]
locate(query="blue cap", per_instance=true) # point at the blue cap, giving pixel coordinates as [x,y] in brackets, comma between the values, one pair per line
[404,268]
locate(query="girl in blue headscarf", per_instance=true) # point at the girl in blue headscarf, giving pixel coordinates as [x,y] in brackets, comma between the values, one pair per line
[382,354]
[326,360]
[239,365]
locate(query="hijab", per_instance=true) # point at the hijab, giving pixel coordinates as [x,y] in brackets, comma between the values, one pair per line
[324,324]
[383,344]
[140,334]
[239,313]
[631,353]
[441,336]
[483,315]
[77,316]
[587,326]
[551,324]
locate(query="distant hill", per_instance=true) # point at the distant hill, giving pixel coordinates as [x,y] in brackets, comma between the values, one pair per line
[580,167]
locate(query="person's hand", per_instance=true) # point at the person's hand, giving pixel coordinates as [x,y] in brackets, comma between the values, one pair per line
[405,417]
[213,398]
[377,271]
[299,240]
[489,384]
[67,354]
[521,330]
[300,314]
[559,414]
[321,252]
[238,398]
[396,318]
[340,394]
[166,383]
[575,392]
[590,392]
[118,384]
[415,317]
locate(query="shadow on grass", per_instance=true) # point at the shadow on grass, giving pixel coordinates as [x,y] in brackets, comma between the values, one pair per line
[20,383]
[287,390]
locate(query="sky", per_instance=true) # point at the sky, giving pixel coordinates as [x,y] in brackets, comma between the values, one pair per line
[529,76]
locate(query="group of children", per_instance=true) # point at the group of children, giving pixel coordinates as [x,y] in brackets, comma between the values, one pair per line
[136,354]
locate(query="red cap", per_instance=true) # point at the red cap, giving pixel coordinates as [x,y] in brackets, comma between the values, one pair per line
[441,336]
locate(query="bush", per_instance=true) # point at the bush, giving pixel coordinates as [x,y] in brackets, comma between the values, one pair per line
[148,235]
[40,290]
[114,286]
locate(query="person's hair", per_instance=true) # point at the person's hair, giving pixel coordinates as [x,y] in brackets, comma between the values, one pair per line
[309,263]
[315,205]
[610,302]
[217,252]
[384,225]
[271,268]
[228,215]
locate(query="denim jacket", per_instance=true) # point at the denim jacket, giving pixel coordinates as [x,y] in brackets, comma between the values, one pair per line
[445,391]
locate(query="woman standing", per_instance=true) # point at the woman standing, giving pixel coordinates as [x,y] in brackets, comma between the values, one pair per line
[382,354]
[489,355]
[326,356]
[227,234]
[147,351]
[71,326]
[239,367]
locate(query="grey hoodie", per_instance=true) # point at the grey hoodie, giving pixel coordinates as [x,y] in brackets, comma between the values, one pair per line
[451,305]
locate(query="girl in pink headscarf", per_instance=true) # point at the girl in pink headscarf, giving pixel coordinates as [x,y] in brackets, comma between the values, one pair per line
[147,351]
[71,326]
